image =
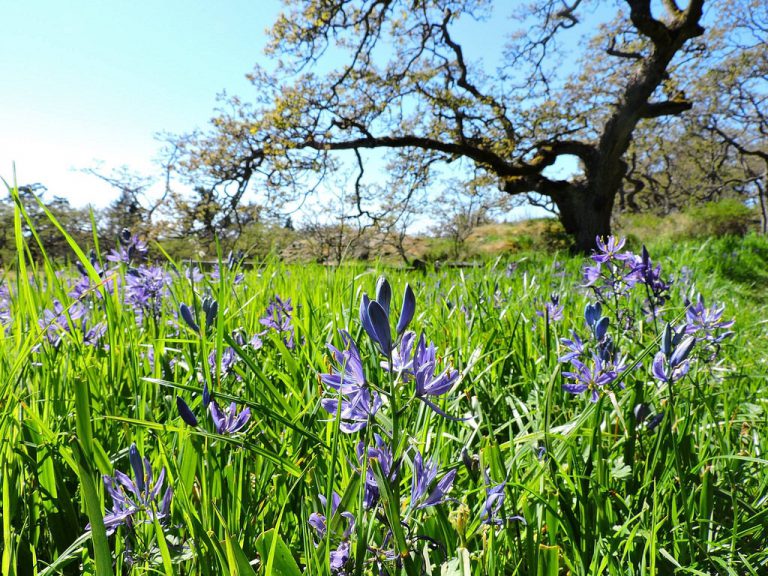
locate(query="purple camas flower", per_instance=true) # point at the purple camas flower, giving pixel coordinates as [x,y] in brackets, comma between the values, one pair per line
[382,453]
[612,272]
[83,286]
[427,383]
[609,250]
[93,336]
[601,368]
[136,497]
[56,322]
[493,508]
[424,475]
[131,249]
[278,318]
[552,311]
[575,347]
[671,363]
[145,288]
[193,274]
[358,402]
[228,360]
[338,558]
[374,315]
[706,323]
[228,421]
[318,521]
[402,356]
[278,315]
[650,275]
[591,378]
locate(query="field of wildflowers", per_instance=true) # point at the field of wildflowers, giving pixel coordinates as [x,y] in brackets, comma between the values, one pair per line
[549,415]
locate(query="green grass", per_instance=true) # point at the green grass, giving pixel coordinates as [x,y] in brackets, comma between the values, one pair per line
[606,496]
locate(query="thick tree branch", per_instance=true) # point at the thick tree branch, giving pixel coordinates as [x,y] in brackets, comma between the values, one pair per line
[672,8]
[646,24]
[666,108]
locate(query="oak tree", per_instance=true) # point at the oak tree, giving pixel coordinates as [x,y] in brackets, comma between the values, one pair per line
[407,85]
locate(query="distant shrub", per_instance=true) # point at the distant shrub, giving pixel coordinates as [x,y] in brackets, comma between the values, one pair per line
[719,219]
[553,235]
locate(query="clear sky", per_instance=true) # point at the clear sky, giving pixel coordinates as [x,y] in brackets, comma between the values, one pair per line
[88,82]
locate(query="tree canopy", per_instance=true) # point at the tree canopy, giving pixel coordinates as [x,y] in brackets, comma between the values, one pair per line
[407,85]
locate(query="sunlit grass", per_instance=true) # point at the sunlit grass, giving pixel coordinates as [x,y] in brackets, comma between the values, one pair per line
[598,494]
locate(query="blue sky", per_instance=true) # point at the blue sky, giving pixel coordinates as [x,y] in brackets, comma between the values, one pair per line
[88,82]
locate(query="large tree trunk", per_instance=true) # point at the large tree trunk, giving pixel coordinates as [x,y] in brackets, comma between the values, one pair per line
[585,213]
[762,188]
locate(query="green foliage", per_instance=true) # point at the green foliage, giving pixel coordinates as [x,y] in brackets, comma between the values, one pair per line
[711,219]
[728,216]
[603,497]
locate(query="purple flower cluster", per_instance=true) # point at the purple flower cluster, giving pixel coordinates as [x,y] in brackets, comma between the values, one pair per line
[226,422]
[130,250]
[425,491]
[383,455]
[137,496]
[83,286]
[145,288]
[374,315]
[278,318]
[616,271]
[671,363]
[657,289]
[552,310]
[596,363]
[57,322]
[60,321]
[412,365]
[5,306]
[339,558]
[493,508]
[355,401]
[612,271]
[707,323]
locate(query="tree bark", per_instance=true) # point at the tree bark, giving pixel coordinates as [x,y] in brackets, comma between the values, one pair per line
[585,213]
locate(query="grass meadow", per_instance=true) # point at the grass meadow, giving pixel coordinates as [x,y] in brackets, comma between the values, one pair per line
[547,414]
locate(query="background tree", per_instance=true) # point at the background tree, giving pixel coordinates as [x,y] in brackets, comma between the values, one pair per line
[408,87]
[129,210]
[462,211]
[76,221]
[737,115]
[717,150]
